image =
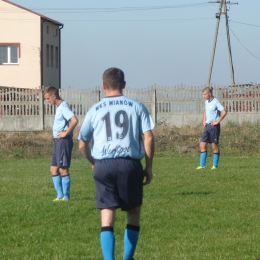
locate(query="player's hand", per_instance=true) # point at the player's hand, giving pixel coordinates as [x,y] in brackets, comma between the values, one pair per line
[61,135]
[214,122]
[148,175]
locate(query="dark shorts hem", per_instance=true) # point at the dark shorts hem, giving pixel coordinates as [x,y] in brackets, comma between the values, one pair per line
[61,156]
[118,207]
[118,183]
[211,134]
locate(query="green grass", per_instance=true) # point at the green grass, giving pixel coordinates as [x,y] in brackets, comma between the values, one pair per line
[187,214]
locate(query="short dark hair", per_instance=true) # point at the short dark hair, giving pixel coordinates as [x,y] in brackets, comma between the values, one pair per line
[208,89]
[114,78]
[51,90]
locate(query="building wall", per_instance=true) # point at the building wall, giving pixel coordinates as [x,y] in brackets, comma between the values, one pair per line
[51,60]
[20,26]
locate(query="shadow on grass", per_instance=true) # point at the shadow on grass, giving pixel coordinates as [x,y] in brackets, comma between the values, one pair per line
[194,193]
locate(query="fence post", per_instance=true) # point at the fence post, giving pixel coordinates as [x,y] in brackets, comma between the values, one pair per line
[97,95]
[41,108]
[154,105]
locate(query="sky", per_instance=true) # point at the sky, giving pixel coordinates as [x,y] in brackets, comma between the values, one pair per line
[164,42]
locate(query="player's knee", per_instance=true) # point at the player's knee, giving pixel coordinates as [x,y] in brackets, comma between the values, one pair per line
[64,171]
[54,170]
[203,146]
[133,216]
[215,148]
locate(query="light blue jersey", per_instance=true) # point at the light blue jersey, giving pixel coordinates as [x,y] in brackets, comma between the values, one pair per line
[213,109]
[116,125]
[62,117]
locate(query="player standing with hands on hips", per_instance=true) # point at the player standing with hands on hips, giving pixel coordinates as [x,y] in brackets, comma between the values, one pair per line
[120,132]
[64,123]
[214,113]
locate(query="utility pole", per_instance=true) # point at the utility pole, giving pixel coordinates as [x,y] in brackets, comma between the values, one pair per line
[222,10]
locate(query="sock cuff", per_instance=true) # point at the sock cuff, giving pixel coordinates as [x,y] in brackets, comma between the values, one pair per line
[63,176]
[108,228]
[56,175]
[217,153]
[133,227]
[203,152]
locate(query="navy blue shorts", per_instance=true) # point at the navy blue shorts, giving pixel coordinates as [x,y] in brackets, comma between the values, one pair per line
[119,183]
[61,156]
[211,133]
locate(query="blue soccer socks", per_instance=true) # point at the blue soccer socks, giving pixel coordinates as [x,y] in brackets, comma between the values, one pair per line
[130,241]
[57,185]
[215,159]
[203,158]
[107,241]
[65,181]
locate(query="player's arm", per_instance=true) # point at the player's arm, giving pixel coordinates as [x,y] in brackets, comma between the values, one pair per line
[223,113]
[73,122]
[204,118]
[84,147]
[149,153]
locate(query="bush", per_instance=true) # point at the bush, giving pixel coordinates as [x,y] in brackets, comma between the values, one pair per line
[235,140]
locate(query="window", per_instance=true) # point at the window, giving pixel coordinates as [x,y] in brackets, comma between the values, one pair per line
[57,57]
[9,53]
[47,55]
[52,56]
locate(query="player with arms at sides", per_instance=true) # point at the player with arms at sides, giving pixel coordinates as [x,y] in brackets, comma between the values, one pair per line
[214,113]
[64,123]
[120,132]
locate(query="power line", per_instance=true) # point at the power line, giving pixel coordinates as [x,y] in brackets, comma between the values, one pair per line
[139,20]
[243,45]
[109,10]
[245,23]
[122,9]
[116,20]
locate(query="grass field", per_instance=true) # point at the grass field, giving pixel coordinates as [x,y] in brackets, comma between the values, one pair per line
[187,214]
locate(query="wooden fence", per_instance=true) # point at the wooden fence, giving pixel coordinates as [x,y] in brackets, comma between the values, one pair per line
[26,110]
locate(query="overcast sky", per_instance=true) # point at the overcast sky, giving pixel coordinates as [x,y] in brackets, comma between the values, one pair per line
[154,42]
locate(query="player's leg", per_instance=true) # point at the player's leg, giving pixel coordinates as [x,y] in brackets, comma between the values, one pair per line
[107,200]
[56,177]
[203,148]
[131,194]
[216,155]
[215,132]
[65,181]
[131,232]
[64,152]
[107,236]
[203,154]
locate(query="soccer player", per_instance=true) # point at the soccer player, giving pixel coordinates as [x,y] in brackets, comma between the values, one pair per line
[120,132]
[214,113]
[64,123]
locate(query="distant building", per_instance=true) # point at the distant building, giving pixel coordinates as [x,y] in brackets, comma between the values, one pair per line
[30,48]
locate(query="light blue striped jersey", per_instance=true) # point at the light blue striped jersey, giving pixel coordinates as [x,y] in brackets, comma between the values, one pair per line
[213,109]
[116,125]
[62,117]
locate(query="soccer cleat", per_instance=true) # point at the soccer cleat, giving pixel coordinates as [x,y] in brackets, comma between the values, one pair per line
[213,168]
[57,199]
[201,168]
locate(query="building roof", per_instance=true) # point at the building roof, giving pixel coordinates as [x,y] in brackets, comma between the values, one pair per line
[31,11]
